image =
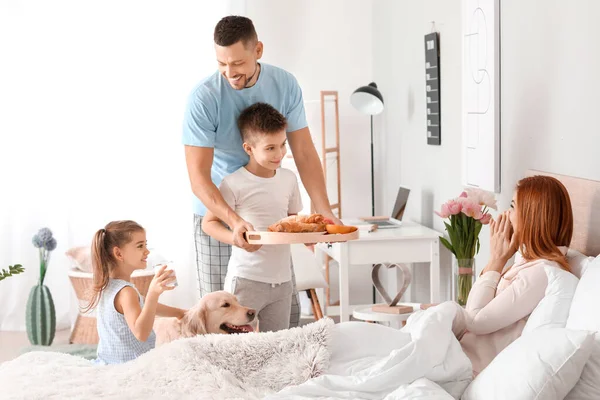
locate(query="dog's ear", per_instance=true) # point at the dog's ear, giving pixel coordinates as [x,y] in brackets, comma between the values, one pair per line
[194,322]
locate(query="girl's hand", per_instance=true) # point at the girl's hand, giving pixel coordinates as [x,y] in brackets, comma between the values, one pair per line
[160,281]
[502,239]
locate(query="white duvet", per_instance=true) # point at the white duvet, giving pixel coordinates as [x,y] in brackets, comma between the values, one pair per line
[353,360]
[424,360]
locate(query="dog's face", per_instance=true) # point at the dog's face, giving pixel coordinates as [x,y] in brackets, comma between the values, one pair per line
[218,312]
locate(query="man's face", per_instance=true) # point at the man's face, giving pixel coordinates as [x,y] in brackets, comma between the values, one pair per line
[238,63]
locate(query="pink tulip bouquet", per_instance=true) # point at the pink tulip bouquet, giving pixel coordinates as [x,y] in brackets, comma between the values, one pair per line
[466,214]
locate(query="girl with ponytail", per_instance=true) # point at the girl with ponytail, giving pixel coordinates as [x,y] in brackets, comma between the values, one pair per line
[124,318]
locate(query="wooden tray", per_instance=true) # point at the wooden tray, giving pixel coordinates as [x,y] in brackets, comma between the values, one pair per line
[292,238]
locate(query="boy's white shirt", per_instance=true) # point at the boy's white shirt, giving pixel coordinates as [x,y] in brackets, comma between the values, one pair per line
[262,202]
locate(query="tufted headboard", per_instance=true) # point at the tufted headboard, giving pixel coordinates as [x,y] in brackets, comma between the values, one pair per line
[585,200]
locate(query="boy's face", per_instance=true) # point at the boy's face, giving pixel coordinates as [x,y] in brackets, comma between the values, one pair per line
[268,150]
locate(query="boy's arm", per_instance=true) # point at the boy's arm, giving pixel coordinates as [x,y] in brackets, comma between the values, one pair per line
[214,228]
[167,311]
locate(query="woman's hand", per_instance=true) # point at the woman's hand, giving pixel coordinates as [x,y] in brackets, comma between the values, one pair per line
[502,242]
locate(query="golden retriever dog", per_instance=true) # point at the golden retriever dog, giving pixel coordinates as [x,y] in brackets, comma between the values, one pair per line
[216,312]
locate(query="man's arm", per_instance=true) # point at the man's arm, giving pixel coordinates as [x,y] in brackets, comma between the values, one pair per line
[309,166]
[199,162]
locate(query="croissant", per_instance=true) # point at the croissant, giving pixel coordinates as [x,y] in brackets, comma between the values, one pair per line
[296,227]
[300,224]
[307,219]
[311,219]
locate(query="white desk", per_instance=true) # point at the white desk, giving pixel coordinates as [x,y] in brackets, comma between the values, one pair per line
[409,243]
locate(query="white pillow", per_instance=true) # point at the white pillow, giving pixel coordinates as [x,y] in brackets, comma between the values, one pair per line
[553,310]
[578,262]
[80,257]
[584,315]
[543,364]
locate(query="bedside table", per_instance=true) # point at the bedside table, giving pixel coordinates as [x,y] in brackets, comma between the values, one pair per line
[409,243]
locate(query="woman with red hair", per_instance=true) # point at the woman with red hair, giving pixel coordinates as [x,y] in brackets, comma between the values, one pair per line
[539,225]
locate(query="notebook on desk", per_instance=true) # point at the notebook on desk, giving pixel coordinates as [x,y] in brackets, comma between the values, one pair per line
[395,220]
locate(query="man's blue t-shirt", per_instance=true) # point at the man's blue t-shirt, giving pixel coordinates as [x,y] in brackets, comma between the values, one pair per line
[214,106]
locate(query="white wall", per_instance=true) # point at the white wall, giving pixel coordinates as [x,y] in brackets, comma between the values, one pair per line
[432,172]
[91,106]
[548,95]
[328,45]
[550,89]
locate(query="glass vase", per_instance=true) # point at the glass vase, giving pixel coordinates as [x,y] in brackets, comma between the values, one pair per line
[463,277]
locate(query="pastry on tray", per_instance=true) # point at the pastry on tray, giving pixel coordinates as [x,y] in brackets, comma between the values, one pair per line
[309,223]
[300,224]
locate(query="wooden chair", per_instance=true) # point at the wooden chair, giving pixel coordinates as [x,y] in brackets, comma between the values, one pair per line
[308,276]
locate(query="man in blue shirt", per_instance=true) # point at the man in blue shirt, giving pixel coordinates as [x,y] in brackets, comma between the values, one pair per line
[213,144]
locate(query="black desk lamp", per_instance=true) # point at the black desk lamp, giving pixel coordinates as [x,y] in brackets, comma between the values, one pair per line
[368,100]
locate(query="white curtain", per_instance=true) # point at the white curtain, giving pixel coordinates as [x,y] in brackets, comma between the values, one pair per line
[92,95]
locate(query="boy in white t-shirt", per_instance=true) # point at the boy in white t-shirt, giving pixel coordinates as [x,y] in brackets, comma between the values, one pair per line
[261,193]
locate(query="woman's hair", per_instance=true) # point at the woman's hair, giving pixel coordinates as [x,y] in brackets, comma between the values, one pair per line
[544,219]
[114,234]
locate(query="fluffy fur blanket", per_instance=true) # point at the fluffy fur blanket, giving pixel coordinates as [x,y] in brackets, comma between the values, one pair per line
[248,366]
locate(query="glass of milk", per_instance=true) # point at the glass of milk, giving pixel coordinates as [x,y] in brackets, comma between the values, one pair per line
[166,263]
